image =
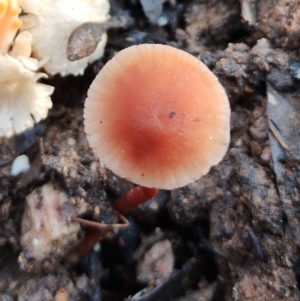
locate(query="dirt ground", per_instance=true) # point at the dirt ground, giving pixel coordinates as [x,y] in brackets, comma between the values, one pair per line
[232,235]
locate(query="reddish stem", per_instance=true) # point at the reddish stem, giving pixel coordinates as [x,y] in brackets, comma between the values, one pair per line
[136,196]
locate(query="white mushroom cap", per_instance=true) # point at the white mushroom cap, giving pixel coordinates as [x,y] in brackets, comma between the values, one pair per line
[23,101]
[51,23]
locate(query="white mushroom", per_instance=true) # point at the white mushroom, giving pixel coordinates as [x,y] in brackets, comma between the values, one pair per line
[23,101]
[51,23]
[9,22]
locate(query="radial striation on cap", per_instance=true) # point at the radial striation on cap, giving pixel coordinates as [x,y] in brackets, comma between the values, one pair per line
[157,116]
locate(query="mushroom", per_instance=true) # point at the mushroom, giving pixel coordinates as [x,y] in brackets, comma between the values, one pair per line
[23,101]
[157,116]
[9,22]
[51,23]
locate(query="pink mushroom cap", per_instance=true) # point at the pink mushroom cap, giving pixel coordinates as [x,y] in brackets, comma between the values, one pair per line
[157,116]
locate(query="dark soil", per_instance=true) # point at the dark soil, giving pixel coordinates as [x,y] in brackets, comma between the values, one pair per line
[232,235]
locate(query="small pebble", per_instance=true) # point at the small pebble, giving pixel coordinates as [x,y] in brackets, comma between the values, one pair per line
[61,295]
[162,21]
[97,247]
[82,282]
[20,165]
[157,264]
[295,70]
[266,155]
[71,141]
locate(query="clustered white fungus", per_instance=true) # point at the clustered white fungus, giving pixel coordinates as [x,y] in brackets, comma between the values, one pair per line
[51,23]
[23,101]
[46,28]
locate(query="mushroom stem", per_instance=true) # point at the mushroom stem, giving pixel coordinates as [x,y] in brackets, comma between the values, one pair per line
[136,196]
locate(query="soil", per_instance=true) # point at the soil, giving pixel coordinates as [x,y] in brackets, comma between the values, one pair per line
[233,234]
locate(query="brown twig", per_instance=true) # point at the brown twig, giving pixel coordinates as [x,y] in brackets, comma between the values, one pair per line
[94,232]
